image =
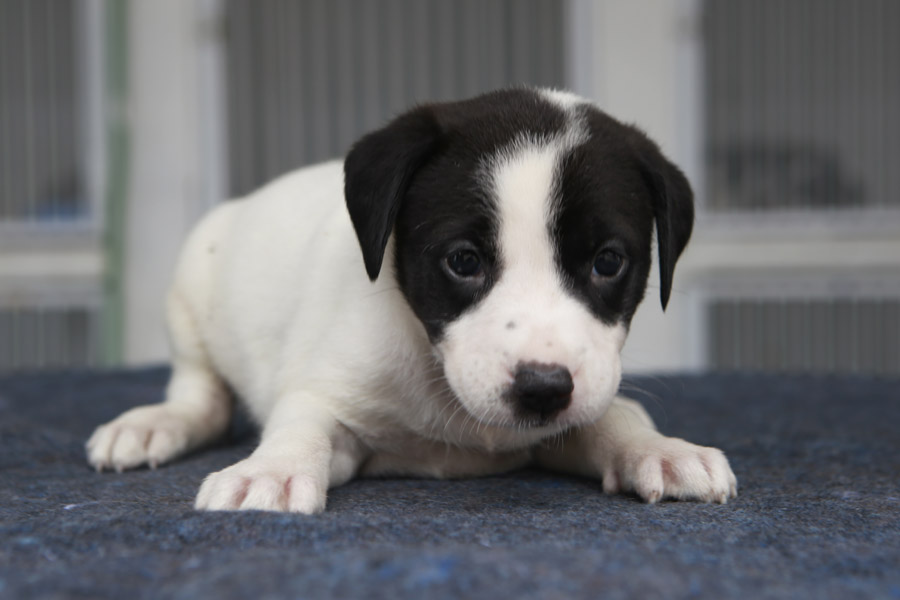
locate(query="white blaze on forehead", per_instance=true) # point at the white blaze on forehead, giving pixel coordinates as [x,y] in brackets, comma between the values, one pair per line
[530,292]
[524,179]
[561,98]
[524,182]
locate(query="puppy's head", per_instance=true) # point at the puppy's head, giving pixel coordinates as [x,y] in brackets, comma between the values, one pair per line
[523,224]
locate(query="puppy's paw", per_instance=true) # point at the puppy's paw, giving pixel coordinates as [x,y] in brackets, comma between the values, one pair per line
[264,484]
[663,467]
[150,435]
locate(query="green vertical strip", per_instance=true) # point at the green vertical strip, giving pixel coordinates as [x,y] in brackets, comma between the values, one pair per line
[118,148]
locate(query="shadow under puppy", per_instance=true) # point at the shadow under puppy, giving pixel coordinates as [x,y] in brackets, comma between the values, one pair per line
[505,245]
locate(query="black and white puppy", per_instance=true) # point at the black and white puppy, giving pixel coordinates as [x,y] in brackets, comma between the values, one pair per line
[505,245]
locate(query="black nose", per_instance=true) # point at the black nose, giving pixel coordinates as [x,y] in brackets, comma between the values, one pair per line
[544,389]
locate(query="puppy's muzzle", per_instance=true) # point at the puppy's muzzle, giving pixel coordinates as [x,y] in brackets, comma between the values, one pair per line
[541,390]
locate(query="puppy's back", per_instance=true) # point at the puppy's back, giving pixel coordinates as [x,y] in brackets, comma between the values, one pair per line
[258,273]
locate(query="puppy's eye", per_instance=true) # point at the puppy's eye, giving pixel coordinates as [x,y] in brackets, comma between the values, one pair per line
[608,264]
[464,263]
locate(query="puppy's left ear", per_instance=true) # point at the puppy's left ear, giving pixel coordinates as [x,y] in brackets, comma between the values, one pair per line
[377,174]
[673,209]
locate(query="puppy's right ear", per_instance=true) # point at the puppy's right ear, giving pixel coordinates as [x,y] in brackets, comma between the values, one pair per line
[377,173]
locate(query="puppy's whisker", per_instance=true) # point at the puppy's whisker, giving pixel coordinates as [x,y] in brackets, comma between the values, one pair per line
[450,420]
[631,388]
[441,419]
[386,290]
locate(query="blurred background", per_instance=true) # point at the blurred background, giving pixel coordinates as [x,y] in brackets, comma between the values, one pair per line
[122,122]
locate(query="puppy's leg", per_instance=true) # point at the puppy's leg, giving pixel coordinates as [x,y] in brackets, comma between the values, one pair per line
[630,455]
[303,452]
[196,411]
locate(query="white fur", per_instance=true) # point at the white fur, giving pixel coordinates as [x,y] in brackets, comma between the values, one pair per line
[562,98]
[270,295]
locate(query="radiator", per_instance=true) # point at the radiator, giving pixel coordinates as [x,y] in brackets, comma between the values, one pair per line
[847,335]
[49,337]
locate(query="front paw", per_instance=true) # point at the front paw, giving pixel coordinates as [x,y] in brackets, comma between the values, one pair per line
[146,435]
[256,483]
[663,467]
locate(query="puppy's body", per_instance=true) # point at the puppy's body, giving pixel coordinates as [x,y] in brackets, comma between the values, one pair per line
[258,283]
[506,241]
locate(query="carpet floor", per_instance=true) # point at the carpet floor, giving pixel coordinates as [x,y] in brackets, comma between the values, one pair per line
[818,515]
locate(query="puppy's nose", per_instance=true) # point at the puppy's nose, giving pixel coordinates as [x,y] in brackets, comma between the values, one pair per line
[542,388]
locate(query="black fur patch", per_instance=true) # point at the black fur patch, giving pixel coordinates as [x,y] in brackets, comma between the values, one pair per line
[608,196]
[602,203]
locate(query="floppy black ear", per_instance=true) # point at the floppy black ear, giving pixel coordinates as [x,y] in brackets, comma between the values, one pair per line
[673,209]
[377,173]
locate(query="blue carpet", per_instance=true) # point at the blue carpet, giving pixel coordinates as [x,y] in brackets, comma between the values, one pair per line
[818,516]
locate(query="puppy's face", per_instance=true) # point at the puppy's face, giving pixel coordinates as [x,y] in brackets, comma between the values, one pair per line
[523,223]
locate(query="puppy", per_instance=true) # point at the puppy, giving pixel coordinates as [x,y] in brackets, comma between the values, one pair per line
[460,313]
